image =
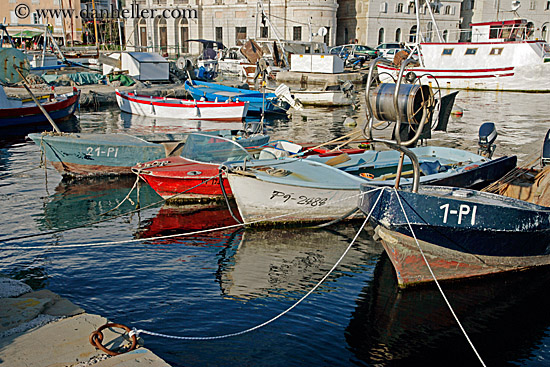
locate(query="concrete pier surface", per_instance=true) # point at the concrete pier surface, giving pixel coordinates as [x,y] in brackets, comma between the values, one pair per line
[40,328]
[98,95]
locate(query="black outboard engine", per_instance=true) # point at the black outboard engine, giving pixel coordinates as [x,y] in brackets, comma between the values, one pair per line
[487,136]
[545,158]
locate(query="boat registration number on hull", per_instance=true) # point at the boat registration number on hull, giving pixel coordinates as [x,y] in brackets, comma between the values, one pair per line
[300,199]
[98,152]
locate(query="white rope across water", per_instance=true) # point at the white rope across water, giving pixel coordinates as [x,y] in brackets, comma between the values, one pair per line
[436,282]
[140,331]
[175,235]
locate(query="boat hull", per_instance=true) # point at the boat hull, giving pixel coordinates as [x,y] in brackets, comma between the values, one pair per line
[524,78]
[258,102]
[466,233]
[446,264]
[27,116]
[185,181]
[181,109]
[270,202]
[96,154]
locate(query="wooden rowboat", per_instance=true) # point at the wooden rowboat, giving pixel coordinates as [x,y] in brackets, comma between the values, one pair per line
[181,108]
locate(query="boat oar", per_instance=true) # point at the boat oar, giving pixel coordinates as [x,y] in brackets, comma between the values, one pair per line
[25,84]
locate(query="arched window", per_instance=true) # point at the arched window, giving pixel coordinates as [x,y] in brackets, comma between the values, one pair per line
[161,43]
[183,35]
[447,10]
[142,30]
[544,32]
[445,34]
[399,8]
[412,34]
[398,35]
[381,35]
[412,8]
[429,31]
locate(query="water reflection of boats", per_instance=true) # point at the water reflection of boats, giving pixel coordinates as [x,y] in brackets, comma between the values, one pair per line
[270,263]
[172,219]
[415,327]
[79,202]
[160,124]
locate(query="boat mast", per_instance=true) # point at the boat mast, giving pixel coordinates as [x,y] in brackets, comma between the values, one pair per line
[274,31]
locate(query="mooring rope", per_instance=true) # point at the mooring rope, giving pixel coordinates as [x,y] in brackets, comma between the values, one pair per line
[136,332]
[179,234]
[436,281]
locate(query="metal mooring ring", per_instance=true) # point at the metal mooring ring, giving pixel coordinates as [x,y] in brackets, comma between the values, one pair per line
[97,337]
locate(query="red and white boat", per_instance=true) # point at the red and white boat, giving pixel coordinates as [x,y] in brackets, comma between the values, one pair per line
[180,108]
[501,56]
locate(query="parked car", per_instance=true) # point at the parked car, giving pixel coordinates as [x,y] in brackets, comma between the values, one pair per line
[354,54]
[389,49]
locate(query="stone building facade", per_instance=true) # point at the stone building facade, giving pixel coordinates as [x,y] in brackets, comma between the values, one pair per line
[227,21]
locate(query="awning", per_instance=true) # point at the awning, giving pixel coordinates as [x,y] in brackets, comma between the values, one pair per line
[26,34]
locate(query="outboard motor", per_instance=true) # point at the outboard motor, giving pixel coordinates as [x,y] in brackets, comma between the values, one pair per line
[545,158]
[487,136]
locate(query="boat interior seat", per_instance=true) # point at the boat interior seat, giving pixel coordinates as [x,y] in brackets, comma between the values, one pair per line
[173,148]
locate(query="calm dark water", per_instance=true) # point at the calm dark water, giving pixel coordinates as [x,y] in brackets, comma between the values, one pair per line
[227,281]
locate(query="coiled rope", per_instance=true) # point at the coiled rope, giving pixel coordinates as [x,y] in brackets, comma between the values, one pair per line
[435,280]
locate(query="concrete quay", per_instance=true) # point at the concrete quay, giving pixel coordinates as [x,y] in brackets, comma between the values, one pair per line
[40,328]
[100,95]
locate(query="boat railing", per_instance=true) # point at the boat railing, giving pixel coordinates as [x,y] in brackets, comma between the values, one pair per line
[405,101]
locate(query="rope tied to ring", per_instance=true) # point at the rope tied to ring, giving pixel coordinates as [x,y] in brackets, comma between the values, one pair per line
[96,338]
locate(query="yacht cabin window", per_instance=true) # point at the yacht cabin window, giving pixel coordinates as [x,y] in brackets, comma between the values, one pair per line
[447,51]
[470,51]
[496,51]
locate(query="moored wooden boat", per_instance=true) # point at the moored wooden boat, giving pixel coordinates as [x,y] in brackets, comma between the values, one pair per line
[24,112]
[93,154]
[194,176]
[462,233]
[258,102]
[181,108]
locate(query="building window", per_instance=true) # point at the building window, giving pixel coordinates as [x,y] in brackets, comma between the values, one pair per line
[184,35]
[543,32]
[429,31]
[383,7]
[447,10]
[219,34]
[412,8]
[496,51]
[297,33]
[412,34]
[445,35]
[142,26]
[399,8]
[470,51]
[264,32]
[381,35]
[532,5]
[398,35]
[35,18]
[240,35]
[447,51]
[547,5]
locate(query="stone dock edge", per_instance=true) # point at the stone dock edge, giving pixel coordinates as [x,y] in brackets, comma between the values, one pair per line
[41,328]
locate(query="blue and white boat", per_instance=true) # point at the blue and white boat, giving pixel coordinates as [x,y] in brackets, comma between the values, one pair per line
[259,102]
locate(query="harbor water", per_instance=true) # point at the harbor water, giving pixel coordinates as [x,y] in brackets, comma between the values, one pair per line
[57,234]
